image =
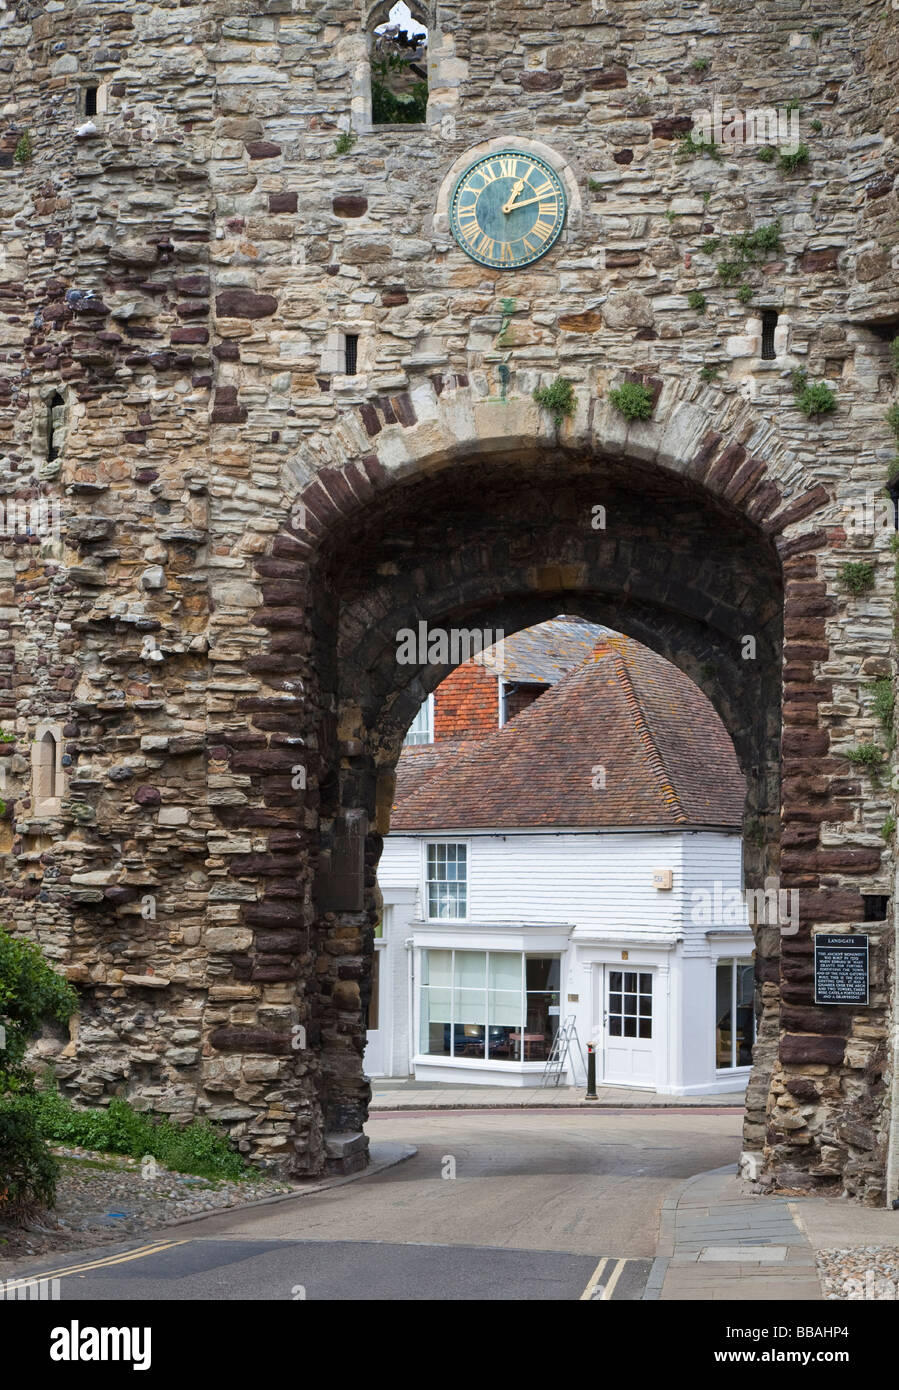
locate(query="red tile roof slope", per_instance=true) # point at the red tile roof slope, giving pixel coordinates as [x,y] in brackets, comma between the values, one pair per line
[667,758]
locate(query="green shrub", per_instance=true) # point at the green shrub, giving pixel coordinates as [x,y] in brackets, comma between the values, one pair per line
[31,993]
[816,400]
[868,756]
[791,159]
[894,349]
[745,293]
[892,418]
[688,148]
[888,828]
[697,301]
[633,400]
[857,576]
[817,127]
[344,142]
[885,708]
[710,245]
[28,1170]
[709,373]
[24,150]
[558,399]
[766,153]
[701,64]
[198,1147]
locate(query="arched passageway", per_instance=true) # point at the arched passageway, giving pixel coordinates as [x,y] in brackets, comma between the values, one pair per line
[503,542]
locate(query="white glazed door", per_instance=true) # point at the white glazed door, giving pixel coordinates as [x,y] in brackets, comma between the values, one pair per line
[629,1045]
[376,1033]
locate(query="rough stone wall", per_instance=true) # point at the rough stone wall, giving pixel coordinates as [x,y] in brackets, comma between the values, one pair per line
[181,269]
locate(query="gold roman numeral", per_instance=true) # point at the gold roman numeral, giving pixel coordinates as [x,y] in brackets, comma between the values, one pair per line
[505,251]
[508,168]
[527,245]
[488,174]
[543,189]
[485,246]
[541,229]
[548,210]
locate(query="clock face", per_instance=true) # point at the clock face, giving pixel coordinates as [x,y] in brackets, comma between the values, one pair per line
[507,210]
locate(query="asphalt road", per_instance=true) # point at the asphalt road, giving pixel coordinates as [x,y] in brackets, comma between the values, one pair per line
[506,1205]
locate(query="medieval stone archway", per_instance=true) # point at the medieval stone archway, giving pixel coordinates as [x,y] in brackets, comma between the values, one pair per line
[452,507]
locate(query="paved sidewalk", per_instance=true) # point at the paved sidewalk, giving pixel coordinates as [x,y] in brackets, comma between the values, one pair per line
[401,1094]
[718,1242]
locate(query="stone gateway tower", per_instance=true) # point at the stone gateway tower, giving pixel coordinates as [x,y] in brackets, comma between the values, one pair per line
[267,399]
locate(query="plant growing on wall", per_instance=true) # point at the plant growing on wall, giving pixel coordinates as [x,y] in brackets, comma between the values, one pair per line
[344,142]
[790,160]
[688,148]
[558,398]
[697,301]
[868,756]
[885,708]
[633,400]
[24,150]
[857,576]
[817,399]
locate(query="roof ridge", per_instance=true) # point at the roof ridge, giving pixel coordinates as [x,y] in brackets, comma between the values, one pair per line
[646,736]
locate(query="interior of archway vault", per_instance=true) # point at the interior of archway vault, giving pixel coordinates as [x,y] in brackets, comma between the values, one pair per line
[506,542]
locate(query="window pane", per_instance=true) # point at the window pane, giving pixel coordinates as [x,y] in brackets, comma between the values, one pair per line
[745,1013]
[630,979]
[615,1026]
[471,969]
[615,1003]
[505,970]
[437,968]
[630,1027]
[646,984]
[543,972]
[630,1003]
[645,1027]
[615,979]
[723,1027]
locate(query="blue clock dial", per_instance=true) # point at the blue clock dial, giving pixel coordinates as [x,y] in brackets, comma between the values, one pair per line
[507,209]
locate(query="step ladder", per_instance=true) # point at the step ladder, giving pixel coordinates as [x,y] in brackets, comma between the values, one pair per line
[558,1056]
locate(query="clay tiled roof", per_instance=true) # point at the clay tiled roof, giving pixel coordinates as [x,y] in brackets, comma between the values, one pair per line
[666,757]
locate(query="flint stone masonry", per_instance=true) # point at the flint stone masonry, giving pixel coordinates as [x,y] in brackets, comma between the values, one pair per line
[245,528]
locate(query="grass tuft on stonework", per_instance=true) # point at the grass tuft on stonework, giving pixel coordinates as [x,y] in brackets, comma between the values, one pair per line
[633,400]
[199,1147]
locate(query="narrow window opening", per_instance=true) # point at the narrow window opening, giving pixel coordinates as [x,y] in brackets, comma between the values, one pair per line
[50,763]
[90,101]
[55,409]
[399,69]
[769,323]
[875,906]
[351,353]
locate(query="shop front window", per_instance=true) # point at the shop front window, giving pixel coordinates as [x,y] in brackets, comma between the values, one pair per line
[734,1013]
[501,1006]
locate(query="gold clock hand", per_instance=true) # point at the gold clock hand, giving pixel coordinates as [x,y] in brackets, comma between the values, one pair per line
[512,207]
[516,189]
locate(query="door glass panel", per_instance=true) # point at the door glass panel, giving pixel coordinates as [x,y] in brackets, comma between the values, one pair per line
[723,1026]
[629,1004]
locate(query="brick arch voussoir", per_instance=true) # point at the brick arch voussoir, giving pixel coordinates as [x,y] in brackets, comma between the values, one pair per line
[719,446]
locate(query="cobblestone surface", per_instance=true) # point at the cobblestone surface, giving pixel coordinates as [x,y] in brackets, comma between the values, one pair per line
[869,1272]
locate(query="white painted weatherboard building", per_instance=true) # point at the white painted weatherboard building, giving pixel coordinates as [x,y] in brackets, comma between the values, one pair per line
[493,934]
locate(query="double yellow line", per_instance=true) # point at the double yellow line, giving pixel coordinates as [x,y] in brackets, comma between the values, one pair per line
[597,1274]
[139,1254]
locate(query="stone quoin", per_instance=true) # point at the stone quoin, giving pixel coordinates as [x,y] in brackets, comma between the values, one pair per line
[245,526]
